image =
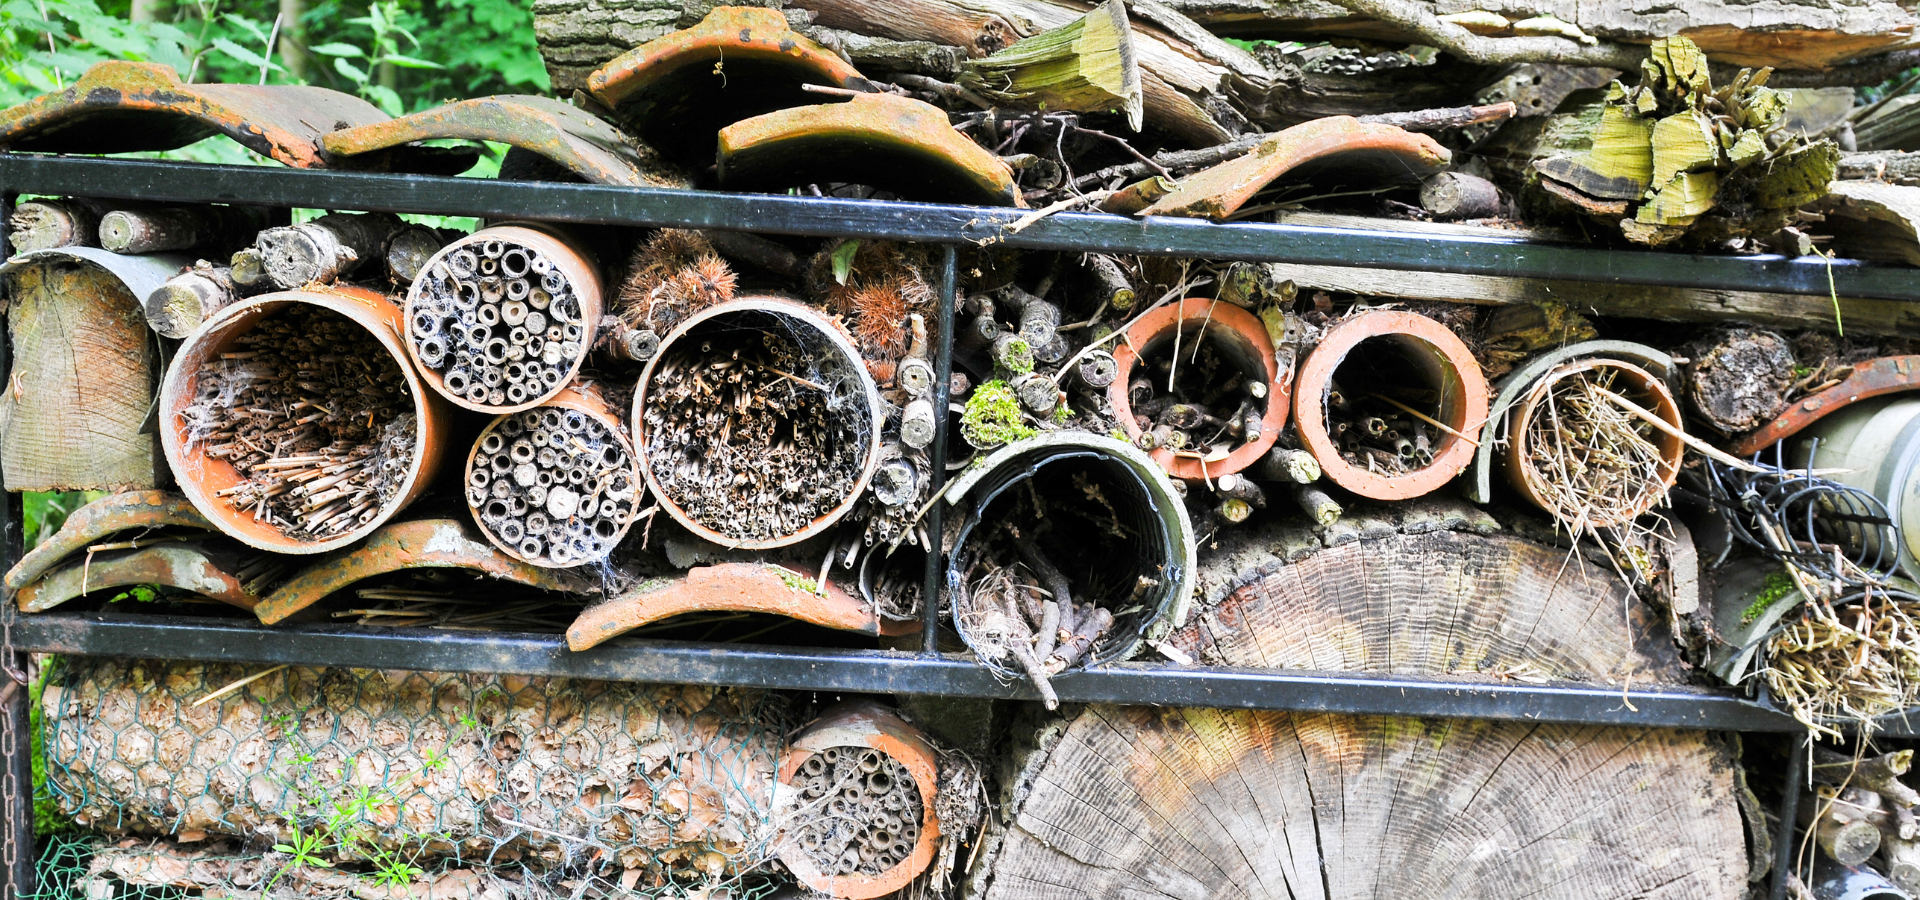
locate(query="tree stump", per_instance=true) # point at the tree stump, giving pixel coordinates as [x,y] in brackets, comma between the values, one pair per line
[1139,802]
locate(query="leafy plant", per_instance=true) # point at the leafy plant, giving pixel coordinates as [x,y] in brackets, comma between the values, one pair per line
[382,18]
[304,851]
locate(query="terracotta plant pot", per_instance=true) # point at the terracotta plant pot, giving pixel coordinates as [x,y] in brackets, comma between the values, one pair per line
[1242,337]
[430,320]
[201,476]
[832,354]
[1635,384]
[1436,358]
[859,725]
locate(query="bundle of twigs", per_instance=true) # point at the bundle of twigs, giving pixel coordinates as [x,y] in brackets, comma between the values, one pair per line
[1851,660]
[1029,617]
[313,413]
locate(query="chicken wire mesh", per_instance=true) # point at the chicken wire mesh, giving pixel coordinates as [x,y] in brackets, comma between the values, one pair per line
[306,782]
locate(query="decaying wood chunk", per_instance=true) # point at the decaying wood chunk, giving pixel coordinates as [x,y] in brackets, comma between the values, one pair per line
[75,408]
[1737,379]
[1193,803]
[43,224]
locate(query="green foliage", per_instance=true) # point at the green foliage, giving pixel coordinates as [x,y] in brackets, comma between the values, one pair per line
[44,513]
[401,55]
[47,818]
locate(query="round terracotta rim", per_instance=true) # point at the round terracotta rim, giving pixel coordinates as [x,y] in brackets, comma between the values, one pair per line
[1241,325]
[576,397]
[883,731]
[580,272]
[200,476]
[1316,379]
[781,306]
[1672,449]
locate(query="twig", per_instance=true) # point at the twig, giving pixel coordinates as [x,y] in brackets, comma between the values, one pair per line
[238,685]
[1702,447]
[1427,419]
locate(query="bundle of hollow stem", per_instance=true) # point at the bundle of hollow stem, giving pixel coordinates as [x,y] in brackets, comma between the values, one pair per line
[313,413]
[1588,460]
[1847,661]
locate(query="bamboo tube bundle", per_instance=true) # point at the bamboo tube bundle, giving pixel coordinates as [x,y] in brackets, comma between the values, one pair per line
[501,320]
[871,811]
[555,485]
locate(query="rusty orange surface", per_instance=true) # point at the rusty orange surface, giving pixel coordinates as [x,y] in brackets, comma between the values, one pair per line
[862,723]
[121,107]
[677,91]
[571,137]
[113,513]
[1218,192]
[890,142]
[730,587]
[203,570]
[1872,378]
[1245,338]
[1429,345]
[425,543]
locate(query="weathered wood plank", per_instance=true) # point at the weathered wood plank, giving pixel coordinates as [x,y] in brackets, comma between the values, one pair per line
[73,411]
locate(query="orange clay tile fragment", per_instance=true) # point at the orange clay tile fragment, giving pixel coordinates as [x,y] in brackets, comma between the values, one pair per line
[202,569]
[1217,192]
[578,140]
[122,107]
[729,587]
[890,142]
[678,90]
[427,543]
[143,510]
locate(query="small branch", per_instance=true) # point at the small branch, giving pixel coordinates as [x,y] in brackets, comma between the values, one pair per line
[237,685]
[1418,18]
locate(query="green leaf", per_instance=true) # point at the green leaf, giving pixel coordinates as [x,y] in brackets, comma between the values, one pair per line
[244,55]
[385,98]
[247,25]
[282,848]
[409,62]
[843,260]
[337,49]
[350,70]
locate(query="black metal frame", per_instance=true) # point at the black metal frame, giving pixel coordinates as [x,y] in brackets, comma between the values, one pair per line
[927,672]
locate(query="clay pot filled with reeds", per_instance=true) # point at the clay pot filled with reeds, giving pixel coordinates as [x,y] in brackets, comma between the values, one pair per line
[558,484]
[295,423]
[1575,450]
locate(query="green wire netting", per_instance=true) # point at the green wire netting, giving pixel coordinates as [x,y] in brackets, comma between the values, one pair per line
[306,782]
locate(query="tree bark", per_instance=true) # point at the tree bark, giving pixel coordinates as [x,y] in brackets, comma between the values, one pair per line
[1197,803]
[1786,34]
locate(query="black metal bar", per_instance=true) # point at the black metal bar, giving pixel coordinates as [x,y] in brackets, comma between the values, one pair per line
[942,399]
[16,740]
[884,672]
[603,205]
[1789,816]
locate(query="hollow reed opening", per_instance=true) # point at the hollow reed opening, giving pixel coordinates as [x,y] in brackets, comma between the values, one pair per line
[1383,401]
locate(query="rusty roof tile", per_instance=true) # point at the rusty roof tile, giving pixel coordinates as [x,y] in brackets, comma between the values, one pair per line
[1218,192]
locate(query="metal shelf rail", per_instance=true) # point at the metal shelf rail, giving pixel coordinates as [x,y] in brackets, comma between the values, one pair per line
[872,671]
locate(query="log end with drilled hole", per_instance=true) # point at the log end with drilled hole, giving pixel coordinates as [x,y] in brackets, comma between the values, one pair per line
[134,510]
[731,587]
[536,275]
[556,485]
[834,359]
[420,544]
[1218,192]
[122,107]
[1533,478]
[583,143]
[1435,356]
[676,92]
[206,570]
[1203,803]
[1234,332]
[887,141]
[202,477]
[859,726]
[83,371]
